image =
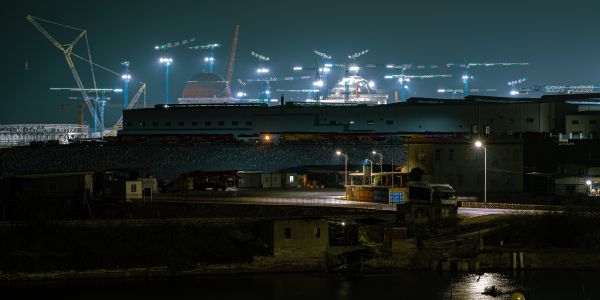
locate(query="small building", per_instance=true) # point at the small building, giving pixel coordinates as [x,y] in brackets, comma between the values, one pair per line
[123,190]
[270,180]
[66,185]
[305,238]
[576,181]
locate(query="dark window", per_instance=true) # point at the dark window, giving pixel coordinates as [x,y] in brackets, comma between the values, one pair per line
[529,120]
[181,123]
[287,233]
[438,154]
[389,122]
[421,155]
[221,123]
[370,122]
[194,123]
[474,128]
[134,188]
[332,122]
[318,232]
[574,122]
[491,121]
[155,124]
[592,122]
[207,123]
[52,187]
[248,123]
[451,154]
[168,124]
[129,124]
[142,124]
[488,129]
[234,123]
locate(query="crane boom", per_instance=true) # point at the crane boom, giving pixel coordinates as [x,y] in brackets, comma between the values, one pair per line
[132,103]
[67,53]
[232,54]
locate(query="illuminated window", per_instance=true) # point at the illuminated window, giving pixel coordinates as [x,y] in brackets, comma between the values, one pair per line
[421,155]
[291,178]
[287,233]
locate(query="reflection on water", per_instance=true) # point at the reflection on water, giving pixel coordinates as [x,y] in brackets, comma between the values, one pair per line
[398,285]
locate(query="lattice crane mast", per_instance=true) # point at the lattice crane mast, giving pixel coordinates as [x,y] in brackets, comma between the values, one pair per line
[67,50]
[404,80]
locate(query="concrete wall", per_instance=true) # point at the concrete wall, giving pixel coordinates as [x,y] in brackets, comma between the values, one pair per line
[302,239]
[460,164]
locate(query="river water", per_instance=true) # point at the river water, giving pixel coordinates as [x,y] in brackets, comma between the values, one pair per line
[309,286]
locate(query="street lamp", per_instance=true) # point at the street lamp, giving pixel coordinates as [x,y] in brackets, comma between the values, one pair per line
[338,153]
[479,144]
[166,61]
[380,160]
[370,171]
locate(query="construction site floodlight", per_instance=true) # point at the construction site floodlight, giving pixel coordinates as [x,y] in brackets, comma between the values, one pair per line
[328,65]
[318,83]
[326,70]
[126,77]
[354,68]
[371,84]
[165,60]
[118,90]
[478,144]
[297,68]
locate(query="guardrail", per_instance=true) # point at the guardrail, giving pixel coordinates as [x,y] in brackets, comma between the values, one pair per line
[511,206]
[276,201]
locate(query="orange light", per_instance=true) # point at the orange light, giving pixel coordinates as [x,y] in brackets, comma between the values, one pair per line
[267,137]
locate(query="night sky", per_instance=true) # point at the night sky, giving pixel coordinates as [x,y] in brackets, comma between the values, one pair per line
[559,38]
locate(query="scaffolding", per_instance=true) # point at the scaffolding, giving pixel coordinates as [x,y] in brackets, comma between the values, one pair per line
[23,134]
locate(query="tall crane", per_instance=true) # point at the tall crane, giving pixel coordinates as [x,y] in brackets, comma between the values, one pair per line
[126,78]
[467,77]
[99,103]
[67,50]
[404,80]
[210,59]
[134,101]
[167,60]
[231,63]
[262,70]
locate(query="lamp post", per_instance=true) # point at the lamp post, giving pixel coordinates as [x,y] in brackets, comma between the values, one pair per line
[370,171]
[345,166]
[380,160]
[166,61]
[479,144]
[588,184]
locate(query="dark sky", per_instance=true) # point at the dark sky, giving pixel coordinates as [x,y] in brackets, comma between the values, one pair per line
[559,38]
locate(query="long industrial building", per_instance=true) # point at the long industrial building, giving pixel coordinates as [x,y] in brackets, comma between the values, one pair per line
[473,115]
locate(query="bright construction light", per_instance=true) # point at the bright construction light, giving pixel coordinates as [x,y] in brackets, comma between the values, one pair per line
[441,90]
[374,152]
[267,137]
[328,65]
[389,66]
[262,71]
[118,90]
[588,182]
[354,69]
[513,92]
[268,92]
[371,84]
[465,77]
[338,152]
[326,69]
[478,144]
[126,76]
[388,76]
[165,60]
[241,94]
[298,68]
[318,83]
[156,47]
